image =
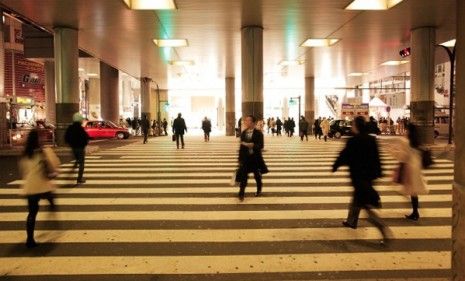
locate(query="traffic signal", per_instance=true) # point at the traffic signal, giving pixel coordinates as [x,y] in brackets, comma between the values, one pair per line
[405,52]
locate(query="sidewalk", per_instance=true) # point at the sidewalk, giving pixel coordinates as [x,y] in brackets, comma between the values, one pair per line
[60,151]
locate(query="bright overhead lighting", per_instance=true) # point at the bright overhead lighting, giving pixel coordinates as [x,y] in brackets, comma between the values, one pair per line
[319,42]
[357,74]
[92,74]
[290,62]
[450,43]
[170,42]
[394,62]
[81,69]
[150,4]
[181,62]
[372,4]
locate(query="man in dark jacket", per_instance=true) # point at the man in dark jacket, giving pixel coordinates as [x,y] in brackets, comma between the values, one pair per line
[250,156]
[303,128]
[165,125]
[207,128]
[279,126]
[179,127]
[361,154]
[78,139]
[145,126]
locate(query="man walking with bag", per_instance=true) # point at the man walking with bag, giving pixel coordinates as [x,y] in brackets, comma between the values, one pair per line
[78,139]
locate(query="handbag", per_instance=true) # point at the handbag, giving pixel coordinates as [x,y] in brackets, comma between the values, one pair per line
[173,137]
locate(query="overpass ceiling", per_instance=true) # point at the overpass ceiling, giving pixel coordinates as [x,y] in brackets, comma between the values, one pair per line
[123,38]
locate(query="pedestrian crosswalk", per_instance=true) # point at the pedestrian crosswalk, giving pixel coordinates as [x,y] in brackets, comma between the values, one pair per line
[152,212]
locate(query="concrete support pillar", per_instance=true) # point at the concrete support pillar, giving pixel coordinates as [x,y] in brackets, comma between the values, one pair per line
[50,96]
[458,197]
[422,77]
[252,71]
[230,106]
[3,101]
[94,99]
[66,53]
[109,97]
[145,97]
[309,107]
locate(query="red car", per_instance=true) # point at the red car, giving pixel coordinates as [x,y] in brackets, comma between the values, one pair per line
[105,129]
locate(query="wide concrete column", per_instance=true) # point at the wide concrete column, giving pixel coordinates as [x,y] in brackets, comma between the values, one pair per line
[3,101]
[252,71]
[66,53]
[422,85]
[145,97]
[230,106]
[50,96]
[458,197]
[94,99]
[109,95]
[310,99]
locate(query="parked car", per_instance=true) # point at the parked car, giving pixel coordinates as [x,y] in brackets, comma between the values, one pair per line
[105,129]
[339,128]
[441,125]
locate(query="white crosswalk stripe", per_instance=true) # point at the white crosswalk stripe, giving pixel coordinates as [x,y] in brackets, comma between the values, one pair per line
[154,210]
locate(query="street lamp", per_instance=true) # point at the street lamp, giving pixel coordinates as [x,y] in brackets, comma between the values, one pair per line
[451,54]
[297,98]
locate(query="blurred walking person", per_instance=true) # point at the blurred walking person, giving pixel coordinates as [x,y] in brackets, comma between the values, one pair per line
[325,128]
[317,128]
[361,154]
[407,151]
[273,126]
[179,127]
[77,138]
[145,126]
[37,166]
[303,128]
[250,156]
[207,128]
[165,125]
[291,127]
[279,126]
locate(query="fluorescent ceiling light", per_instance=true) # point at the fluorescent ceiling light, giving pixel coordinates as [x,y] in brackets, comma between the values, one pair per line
[290,62]
[92,74]
[150,4]
[81,69]
[357,74]
[319,42]
[372,4]
[450,43]
[181,62]
[170,42]
[394,62]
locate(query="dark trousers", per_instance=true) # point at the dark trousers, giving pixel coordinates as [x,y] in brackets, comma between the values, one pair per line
[79,156]
[33,207]
[146,135]
[415,204]
[164,129]
[278,132]
[303,134]
[179,136]
[258,179]
[206,136]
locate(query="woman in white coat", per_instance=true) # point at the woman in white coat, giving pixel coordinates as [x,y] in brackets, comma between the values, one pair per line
[325,128]
[37,167]
[409,173]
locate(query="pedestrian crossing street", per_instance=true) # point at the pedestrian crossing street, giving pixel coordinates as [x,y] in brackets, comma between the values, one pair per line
[152,212]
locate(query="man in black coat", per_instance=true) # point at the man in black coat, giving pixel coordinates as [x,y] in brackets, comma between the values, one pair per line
[279,126]
[207,128]
[77,138]
[145,126]
[179,127]
[361,154]
[250,156]
[303,128]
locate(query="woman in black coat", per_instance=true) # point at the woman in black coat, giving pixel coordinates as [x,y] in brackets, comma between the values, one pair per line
[361,154]
[250,156]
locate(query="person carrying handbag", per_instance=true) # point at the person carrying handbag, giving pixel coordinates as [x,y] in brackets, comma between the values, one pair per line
[408,174]
[37,167]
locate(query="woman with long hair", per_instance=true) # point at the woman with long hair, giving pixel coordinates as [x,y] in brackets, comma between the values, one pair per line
[36,167]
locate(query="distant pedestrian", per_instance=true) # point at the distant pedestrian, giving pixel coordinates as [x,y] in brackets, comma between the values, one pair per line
[135,126]
[165,126]
[268,125]
[409,173]
[286,126]
[317,128]
[361,154]
[279,126]
[250,156]
[303,128]
[273,126]
[145,126]
[291,127]
[77,138]
[207,128]
[179,128]
[325,128]
[37,166]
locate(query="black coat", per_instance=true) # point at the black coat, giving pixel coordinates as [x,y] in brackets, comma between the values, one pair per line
[76,136]
[207,126]
[361,154]
[179,126]
[252,162]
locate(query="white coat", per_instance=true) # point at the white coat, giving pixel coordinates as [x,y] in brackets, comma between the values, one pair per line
[32,171]
[325,127]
